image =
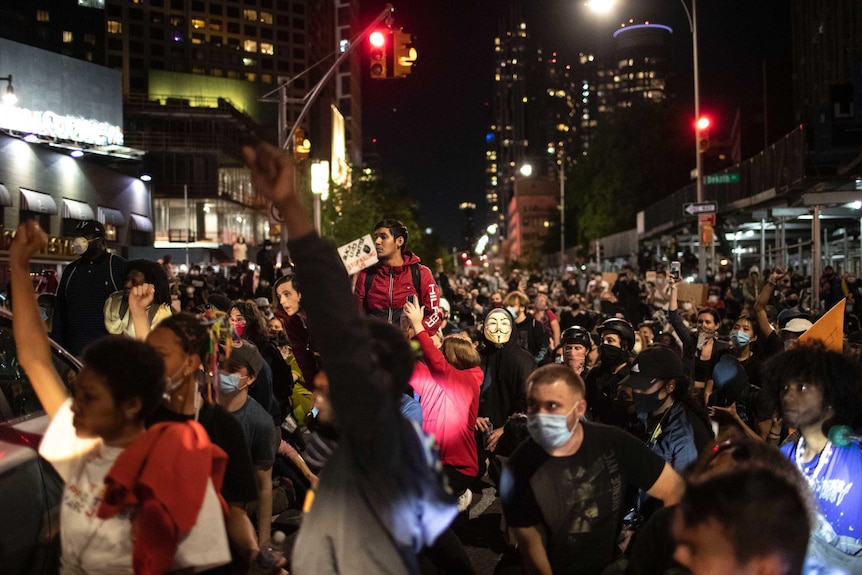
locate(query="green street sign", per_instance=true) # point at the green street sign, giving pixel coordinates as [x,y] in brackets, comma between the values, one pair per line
[732,178]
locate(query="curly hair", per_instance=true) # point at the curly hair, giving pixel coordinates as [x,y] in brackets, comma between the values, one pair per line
[193,334]
[130,368]
[835,374]
[153,274]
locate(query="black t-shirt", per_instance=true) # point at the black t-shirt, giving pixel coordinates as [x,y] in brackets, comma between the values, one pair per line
[579,499]
[239,485]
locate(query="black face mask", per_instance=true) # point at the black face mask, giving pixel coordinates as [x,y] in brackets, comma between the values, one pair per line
[611,355]
[279,338]
[792,302]
[648,402]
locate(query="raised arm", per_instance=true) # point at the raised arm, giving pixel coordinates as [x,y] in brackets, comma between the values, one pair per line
[434,359]
[679,328]
[31,336]
[763,325]
[139,299]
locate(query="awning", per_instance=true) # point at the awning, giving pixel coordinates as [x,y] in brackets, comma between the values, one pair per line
[75,210]
[37,202]
[5,197]
[141,223]
[111,217]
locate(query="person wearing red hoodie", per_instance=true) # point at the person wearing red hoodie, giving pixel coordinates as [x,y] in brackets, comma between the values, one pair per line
[384,288]
[448,383]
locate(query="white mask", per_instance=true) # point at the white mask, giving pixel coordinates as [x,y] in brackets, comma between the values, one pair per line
[498,327]
[80,245]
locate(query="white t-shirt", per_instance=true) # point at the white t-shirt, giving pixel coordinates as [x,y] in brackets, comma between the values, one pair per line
[89,544]
[104,546]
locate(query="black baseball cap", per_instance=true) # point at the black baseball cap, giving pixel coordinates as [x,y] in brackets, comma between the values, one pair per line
[90,229]
[655,362]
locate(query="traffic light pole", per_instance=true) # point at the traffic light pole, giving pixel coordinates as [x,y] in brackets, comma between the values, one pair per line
[701,256]
[315,92]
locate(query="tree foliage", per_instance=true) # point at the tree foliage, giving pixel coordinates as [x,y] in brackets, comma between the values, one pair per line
[350,213]
[636,158]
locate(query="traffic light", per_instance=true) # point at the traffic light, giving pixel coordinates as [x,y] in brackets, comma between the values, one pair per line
[702,132]
[377,39]
[707,235]
[404,54]
[301,145]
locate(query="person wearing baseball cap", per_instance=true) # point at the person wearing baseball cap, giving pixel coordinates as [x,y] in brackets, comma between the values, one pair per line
[84,287]
[676,424]
[239,367]
[793,330]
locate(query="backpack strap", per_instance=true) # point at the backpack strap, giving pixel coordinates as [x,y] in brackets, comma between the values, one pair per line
[369,279]
[417,280]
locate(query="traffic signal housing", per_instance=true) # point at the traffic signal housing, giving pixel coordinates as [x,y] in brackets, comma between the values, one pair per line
[403,53]
[702,133]
[378,40]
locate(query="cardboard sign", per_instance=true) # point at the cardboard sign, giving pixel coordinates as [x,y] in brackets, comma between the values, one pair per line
[829,329]
[358,254]
[695,293]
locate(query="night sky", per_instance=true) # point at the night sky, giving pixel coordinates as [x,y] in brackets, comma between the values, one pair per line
[430,127]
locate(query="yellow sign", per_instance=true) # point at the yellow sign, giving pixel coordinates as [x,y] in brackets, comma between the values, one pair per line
[829,329]
[57,249]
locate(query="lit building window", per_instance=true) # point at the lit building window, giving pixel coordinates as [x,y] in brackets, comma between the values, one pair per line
[197,23]
[266,48]
[250,15]
[43,16]
[249,46]
[266,17]
[115,27]
[67,37]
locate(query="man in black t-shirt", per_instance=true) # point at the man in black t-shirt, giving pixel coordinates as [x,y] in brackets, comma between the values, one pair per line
[563,489]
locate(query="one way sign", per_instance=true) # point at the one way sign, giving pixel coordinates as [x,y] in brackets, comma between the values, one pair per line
[693,209]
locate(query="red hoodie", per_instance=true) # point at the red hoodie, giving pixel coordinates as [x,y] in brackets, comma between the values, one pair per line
[450,403]
[390,288]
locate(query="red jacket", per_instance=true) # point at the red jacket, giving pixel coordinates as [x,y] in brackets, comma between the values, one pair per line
[163,474]
[390,288]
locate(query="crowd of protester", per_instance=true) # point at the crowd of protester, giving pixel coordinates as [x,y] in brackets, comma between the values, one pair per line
[631,424]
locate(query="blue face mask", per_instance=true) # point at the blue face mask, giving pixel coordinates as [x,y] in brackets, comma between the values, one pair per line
[549,430]
[739,338]
[513,311]
[228,382]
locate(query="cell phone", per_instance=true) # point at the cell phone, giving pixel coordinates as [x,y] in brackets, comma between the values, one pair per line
[412,299]
[674,271]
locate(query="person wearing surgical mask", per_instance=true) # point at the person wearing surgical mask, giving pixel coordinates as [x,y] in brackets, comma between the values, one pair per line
[238,368]
[742,337]
[183,341]
[84,286]
[571,476]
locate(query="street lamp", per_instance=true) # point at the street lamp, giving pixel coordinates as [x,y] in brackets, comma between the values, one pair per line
[526,170]
[604,6]
[9,98]
[319,187]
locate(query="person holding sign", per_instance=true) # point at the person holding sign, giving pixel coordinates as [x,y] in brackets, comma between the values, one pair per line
[383,289]
[701,349]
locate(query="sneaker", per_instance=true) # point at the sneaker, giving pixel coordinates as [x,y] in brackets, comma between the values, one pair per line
[464,500]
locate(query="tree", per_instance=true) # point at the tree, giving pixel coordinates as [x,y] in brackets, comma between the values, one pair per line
[350,213]
[637,157]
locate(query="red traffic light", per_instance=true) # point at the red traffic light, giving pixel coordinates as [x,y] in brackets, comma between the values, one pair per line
[702,124]
[377,39]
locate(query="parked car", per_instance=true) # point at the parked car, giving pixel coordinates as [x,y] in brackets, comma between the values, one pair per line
[30,490]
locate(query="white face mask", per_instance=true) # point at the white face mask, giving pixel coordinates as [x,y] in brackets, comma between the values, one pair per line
[80,245]
[498,327]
